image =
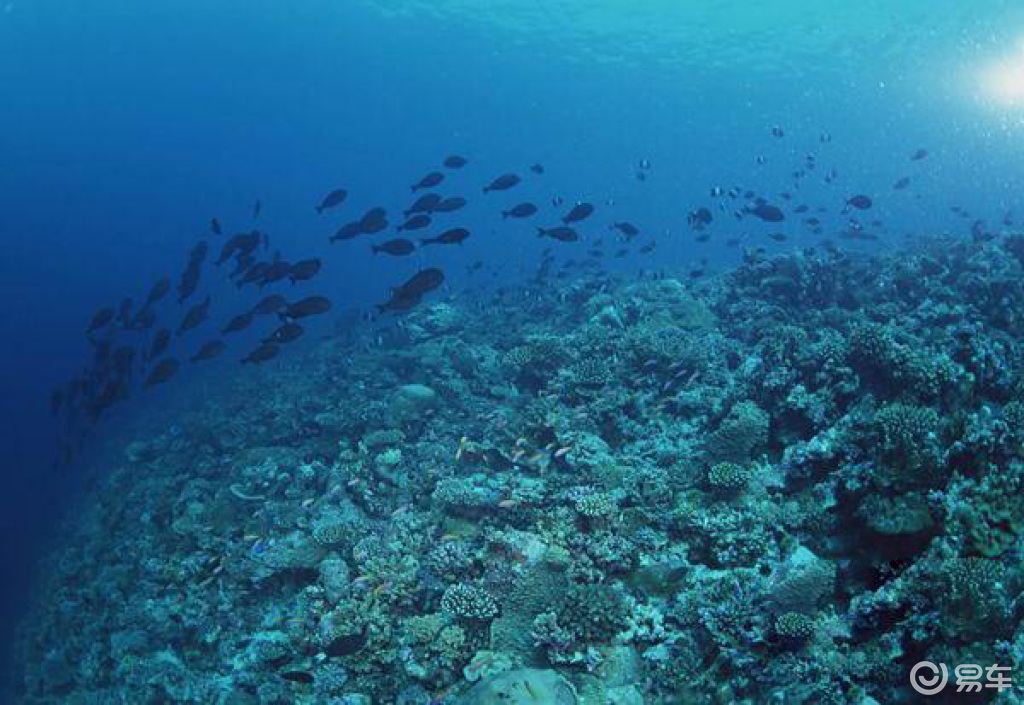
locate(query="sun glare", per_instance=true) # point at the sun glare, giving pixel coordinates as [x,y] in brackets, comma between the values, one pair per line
[1003,80]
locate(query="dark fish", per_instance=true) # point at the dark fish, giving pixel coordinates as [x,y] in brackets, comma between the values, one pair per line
[429,181]
[304,270]
[778,237]
[537,168]
[398,247]
[648,248]
[919,155]
[417,222]
[144,319]
[124,313]
[409,294]
[455,162]
[455,236]
[255,273]
[271,304]
[195,316]
[400,301]
[209,351]
[286,333]
[239,322]
[424,204]
[523,210]
[502,183]
[699,218]
[373,221]
[123,358]
[257,208]
[303,677]
[334,198]
[348,231]
[278,270]
[581,211]
[100,320]
[261,354]
[215,227]
[901,184]
[450,205]
[160,342]
[860,202]
[562,233]
[767,212]
[241,243]
[627,229]
[162,372]
[309,306]
[778,131]
[158,291]
[801,209]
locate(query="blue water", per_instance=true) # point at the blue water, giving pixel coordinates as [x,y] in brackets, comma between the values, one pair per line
[126,126]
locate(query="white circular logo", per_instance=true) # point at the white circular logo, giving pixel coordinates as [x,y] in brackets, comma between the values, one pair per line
[924,684]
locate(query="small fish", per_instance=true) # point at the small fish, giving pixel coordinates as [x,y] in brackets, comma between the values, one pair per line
[562,233]
[285,334]
[158,291]
[417,222]
[627,229]
[502,183]
[215,227]
[455,162]
[918,155]
[261,354]
[304,270]
[778,237]
[537,168]
[195,316]
[777,131]
[239,322]
[101,319]
[450,205]
[901,184]
[424,204]
[581,211]
[162,372]
[523,210]
[298,677]
[271,304]
[331,200]
[257,208]
[429,181]
[508,503]
[767,213]
[373,221]
[209,351]
[398,248]
[309,306]
[860,202]
[455,236]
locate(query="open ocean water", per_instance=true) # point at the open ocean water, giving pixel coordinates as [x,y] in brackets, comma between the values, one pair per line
[508,353]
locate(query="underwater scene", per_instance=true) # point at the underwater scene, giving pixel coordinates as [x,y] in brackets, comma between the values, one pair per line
[604,352]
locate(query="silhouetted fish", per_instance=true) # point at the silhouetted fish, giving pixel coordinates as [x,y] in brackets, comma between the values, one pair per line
[334,198]
[257,208]
[195,316]
[417,222]
[304,270]
[627,229]
[162,372]
[278,270]
[309,306]
[399,247]
[767,212]
[502,183]
[581,211]
[144,319]
[209,351]
[215,227]
[160,342]
[429,181]
[261,354]
[100,320]
[239,322]
[271,304]
[424,204]
[919,155]
[901,183]
[699,218]
[455,162]
[561,233]
[450,205]
[537,168]
[255,273]
[286,333]
[523,210]
[158,291]
[455,236]
[348,231]
[860,202]
[373,221]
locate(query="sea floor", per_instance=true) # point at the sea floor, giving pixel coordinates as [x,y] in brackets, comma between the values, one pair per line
[786,483]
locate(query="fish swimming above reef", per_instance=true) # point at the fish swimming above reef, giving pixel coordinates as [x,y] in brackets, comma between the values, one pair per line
[239,322]
[409,294]
[209,351]
[373,221]
[918,155]
[263,353]
[429,181]
[502,183]
[285,333]
[562,233]
[626,228]
[455,236]
[581,211]
[537,168]
[399,247]
[215,227]
[450,205]
[332,200]
[424,204]
[164,370]
[523,210]
[699,218]
[159,345]
[901,183]
[101,319]
[348,231]
[195,316]
[158,291]
[417,222]
[309,306]
[304,270]
[455,162]
[860,202]
[767,212]
[271,304]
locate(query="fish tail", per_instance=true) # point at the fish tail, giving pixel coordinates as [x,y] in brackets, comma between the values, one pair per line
[504,215]
[541,232]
